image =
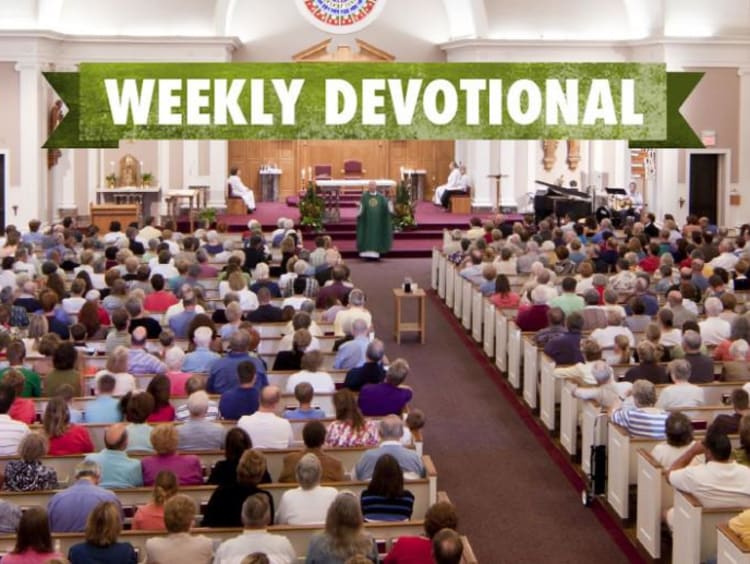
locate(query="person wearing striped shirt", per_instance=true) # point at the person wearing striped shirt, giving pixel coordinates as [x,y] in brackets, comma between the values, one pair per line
[11,432]
[642,419]
[385,498]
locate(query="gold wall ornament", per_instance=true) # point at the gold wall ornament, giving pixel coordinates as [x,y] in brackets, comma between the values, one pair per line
[574,153]
[55,117]
[550,149]
[130,173]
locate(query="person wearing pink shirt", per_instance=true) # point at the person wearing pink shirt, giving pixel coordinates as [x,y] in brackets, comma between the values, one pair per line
[33,539]
[186,467]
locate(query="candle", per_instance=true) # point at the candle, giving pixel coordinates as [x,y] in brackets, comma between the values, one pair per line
[402,172]
[309,172]
[303,173]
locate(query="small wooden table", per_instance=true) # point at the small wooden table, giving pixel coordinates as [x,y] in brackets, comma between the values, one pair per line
[416,326]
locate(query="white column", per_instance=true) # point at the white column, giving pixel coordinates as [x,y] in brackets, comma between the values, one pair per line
[525,171]
[507,151]
[94,177]
[217,167]
[622,165]
[163,179]
[665,192]
[738,214]
[63,177]
[478,165]
[33,159]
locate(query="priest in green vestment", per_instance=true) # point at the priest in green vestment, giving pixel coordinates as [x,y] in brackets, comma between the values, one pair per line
[374,231]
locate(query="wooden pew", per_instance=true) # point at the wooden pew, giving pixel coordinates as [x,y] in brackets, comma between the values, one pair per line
[549,391]
[299,536]
[442,276]
[458,294]
[530,370]
[569,412]
[694,537]
[489,321]
[435,268]
[201,494]
[467,289]
[501,341]
[654,496]
[729,547]
[477,314]
[514,355]
[450,282]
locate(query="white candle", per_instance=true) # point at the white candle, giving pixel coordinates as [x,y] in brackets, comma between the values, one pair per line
[303,173]
[402,172]
[309,172]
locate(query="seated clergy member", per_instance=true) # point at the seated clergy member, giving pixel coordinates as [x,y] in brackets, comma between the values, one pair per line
[117,469]
[371,372]
[721,482]
[391,431]
[179,545]
[266,429]
[352,353]
[238,189]
[304,393]
[307,504]
[242,400]
[69,509]
[389,396]
[256,516]
[11,432]
[681,394]
[313,435]
[198,433]
[440,515]
[642,419]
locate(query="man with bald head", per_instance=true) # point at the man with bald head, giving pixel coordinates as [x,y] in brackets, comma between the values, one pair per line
[139,359]
[391,431]
[352,353]
[371,372]
[680,313]
[117,469]
[265,427]
[223,375]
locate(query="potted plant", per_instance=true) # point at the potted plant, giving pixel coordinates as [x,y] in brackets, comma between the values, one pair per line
[111,180]
[403,208]
[208,217]
[312,208]
[147,178]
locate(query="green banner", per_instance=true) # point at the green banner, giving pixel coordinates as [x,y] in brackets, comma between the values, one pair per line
[109,102]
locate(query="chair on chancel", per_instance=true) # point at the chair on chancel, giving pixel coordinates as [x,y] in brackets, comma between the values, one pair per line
[353,169]
[322,172]
[235,204]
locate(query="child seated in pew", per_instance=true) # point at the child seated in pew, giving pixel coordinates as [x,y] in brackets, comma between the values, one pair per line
[622,352]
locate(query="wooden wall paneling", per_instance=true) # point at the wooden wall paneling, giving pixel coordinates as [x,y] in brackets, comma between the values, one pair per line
[286,161]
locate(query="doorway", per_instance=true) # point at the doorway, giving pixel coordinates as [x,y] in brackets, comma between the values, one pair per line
[705,185]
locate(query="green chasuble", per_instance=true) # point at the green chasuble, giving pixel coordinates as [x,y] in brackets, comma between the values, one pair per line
[374,232]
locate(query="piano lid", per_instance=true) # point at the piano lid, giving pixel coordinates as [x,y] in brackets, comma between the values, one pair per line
[555,190]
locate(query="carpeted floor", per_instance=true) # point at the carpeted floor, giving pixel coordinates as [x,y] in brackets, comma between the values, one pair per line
[514,501]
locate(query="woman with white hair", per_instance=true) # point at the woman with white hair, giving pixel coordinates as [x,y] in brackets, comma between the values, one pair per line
[307,504]
[262,279]
[534,317]
[174,358]
[643,419]
[714,329]
[606,392]
[117,366]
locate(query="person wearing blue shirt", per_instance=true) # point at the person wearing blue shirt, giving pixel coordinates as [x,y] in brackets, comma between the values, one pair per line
[118,471]
[180,323]
[304,392]
[243,400]
[202,358]
[104,408]
[352,353]
[223,375]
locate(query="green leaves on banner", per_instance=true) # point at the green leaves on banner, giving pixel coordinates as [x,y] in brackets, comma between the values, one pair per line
[108,102]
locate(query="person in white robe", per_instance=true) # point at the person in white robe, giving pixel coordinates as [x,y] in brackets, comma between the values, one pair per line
[238,188]
[453,183]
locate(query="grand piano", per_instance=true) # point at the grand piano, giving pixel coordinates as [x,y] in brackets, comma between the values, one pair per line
[559,201]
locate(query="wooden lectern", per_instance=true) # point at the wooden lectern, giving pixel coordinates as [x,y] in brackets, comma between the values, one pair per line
[103,214]
[498,190]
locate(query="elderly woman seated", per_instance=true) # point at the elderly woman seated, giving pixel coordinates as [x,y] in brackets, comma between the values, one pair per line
[307,504]
[606,392]
[642,418]
[187,467]
[648,367]
[29,474]
[179,545]
[581,372]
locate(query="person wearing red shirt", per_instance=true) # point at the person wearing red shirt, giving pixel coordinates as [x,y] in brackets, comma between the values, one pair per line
[22,409]
[651,263]
[64,438]
[418,550]
[159,388]
[534,317]
[159,300]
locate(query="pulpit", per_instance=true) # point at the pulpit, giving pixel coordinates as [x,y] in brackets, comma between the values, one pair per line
[103,214]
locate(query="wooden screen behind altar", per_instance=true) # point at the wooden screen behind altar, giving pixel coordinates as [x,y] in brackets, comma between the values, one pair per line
[380,159]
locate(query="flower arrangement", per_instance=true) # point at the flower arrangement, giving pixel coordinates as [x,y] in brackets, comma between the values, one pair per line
[311,208]
[111,180]
[207,216]
[404,209]
[147,178]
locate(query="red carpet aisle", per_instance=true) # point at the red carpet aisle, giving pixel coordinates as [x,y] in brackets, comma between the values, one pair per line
[514,502]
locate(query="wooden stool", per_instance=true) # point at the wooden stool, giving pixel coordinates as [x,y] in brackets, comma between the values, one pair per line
[400,326]
[460,203]
[236,206]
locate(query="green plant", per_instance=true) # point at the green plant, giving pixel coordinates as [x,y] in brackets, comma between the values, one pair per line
[147,178]
[111,179]
[311,208]
[404,208]
[207,215]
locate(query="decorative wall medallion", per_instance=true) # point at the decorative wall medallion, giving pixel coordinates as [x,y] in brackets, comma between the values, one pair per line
[340,16]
